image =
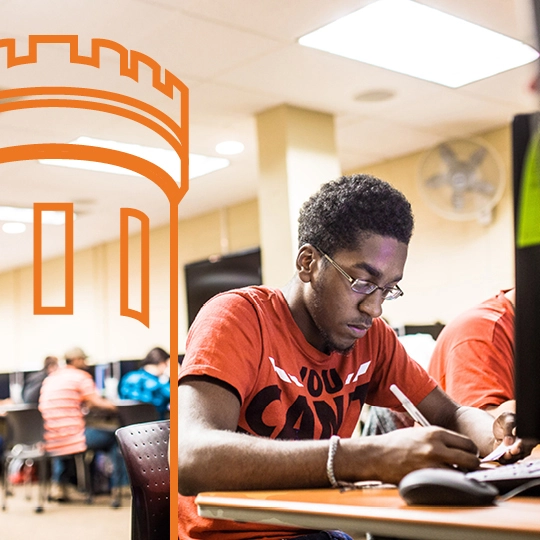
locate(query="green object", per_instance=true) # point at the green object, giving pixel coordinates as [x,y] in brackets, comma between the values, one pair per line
[528,233]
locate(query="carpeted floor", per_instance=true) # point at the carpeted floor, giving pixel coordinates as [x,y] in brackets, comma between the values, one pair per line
[66,521]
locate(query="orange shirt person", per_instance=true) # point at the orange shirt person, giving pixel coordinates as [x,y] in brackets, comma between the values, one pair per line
[63,394]
[473,358]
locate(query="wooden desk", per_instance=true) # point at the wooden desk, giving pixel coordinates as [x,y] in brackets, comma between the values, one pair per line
[376,510]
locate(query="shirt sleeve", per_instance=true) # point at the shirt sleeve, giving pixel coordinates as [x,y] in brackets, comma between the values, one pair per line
[87,387]
[224,342]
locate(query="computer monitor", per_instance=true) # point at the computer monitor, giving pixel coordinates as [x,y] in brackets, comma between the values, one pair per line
[207,278]
[128,365]
[526,175]
[4,385]
[101,372]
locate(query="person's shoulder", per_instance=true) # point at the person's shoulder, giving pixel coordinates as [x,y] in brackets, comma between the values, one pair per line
[486,312]
[243,298]
[259,293]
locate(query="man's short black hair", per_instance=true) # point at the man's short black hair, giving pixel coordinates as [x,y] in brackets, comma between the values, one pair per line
[346,210]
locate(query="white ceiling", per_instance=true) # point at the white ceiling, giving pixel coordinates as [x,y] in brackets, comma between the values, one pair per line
[238,57]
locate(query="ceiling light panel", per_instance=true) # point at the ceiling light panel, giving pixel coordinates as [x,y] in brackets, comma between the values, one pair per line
[167,160]
[26,215]
[417,40]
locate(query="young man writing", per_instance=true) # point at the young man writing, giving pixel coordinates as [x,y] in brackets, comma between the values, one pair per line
[270,375]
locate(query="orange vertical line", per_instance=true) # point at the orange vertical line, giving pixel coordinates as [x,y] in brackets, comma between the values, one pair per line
[145,268]
[143,315]
[67,308]
[68,264]
[124,261]
[173,439]
[38,281]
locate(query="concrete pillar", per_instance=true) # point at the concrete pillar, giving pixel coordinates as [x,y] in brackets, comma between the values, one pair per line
[297,153]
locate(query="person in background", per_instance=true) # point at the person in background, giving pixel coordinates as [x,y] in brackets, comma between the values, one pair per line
[473,359]
[150,383]
[274,380]
[63,395]
[32,386]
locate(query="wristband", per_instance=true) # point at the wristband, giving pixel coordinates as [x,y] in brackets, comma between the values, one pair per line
[334,443]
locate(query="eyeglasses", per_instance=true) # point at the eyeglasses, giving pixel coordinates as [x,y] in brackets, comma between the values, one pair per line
[365,287]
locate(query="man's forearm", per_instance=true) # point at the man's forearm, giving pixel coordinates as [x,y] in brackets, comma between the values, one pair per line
[225,460]
[478,426]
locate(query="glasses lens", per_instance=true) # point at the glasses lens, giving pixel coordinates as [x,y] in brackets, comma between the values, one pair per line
[392,294]
[363,287]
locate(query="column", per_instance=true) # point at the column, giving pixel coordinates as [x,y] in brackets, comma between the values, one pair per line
[297,153]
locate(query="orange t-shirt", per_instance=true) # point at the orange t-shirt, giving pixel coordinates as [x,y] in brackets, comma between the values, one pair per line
[62,394]
[473,359]
[288,389]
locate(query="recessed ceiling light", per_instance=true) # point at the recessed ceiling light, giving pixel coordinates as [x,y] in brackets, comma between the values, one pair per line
[375,95]
[13,228]
[168,160]
[26,215]
[229,148]
[417,40]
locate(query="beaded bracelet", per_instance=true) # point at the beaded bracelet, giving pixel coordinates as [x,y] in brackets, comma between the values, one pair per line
[334,443]
[332,449]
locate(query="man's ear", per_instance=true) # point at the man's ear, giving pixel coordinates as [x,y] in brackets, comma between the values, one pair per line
[306,262]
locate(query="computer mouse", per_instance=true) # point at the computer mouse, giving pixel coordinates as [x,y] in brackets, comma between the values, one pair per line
[445,487]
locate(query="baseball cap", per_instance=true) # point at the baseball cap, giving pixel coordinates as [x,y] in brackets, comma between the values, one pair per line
[75,352]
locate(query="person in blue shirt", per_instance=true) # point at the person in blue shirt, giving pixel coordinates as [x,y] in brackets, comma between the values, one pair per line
[150,383]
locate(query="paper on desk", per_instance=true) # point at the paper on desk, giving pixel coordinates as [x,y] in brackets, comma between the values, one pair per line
[497,453]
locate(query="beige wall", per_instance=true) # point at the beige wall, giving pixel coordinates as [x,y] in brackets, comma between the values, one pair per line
[96,324]
[451,266]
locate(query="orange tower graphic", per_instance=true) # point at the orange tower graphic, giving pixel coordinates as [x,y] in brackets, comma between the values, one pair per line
[173,130]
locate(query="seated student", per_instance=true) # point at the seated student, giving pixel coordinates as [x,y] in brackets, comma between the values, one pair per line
[473,359]
[32,387]
[150,383]
[272,378]
[63,394]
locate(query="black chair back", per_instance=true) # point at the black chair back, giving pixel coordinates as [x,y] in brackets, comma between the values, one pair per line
[144,447]
[25,426]
[24,441]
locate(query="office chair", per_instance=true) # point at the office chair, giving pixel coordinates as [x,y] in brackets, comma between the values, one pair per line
[25,442]
[144,447]
[134,412]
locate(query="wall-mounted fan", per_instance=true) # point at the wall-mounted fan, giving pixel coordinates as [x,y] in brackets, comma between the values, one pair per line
[462,179]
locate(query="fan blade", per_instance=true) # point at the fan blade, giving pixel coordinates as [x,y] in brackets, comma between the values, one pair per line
[483,187]
[448,155]
[458,200]
[477,157]
[436,180]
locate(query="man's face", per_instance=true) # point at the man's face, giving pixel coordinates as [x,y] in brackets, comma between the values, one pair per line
[79,363]
[341,316]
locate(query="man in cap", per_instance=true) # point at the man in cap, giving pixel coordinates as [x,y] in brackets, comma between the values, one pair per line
[64,395]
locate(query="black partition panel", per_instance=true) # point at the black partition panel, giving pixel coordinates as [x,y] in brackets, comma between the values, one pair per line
[527,321]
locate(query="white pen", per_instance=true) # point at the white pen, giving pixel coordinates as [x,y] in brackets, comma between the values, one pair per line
[416,415]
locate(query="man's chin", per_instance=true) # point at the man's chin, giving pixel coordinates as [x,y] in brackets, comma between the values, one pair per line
[333,347]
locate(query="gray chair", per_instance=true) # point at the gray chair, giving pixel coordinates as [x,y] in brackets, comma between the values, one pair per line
[145,450]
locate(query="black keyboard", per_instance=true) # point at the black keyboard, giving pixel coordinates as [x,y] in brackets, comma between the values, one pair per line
[508,477]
